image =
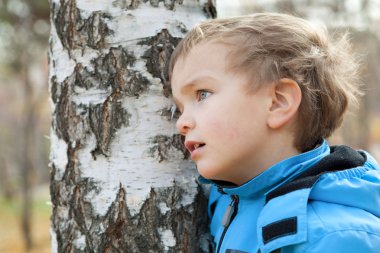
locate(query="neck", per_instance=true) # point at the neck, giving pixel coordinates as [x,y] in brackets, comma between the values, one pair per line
[277,148]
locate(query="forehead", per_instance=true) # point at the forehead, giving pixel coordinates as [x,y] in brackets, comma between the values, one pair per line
[202,59]
[212,49]
[209,62]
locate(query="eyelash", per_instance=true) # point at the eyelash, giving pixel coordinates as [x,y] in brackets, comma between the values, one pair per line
[200,92]
[176,110]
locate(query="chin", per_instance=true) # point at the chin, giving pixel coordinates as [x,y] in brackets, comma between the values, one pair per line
[209,173]
[205,172]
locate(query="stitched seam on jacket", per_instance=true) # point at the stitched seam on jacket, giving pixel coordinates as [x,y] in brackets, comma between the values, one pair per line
[311,204]
[356,172]
[312,244]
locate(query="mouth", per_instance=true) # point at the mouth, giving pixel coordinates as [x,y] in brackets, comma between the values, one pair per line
[193,145]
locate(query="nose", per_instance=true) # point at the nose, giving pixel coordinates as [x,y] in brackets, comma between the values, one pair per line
[184,123]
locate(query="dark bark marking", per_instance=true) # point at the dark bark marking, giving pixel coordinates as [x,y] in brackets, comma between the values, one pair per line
[112,68]
[182,27]
[210,9]
[54,187]
[67,121]
[81,210]
[154,3]
[54,89]
[80,213]
[63,112]
[183,221]
[136,84]
[158,55]
[84,78]
[133,4]
[170,5]
[160,150]
[112,71]
[162,145]
[76,32]
[177,141]
[126,232]
[105,120]
[139,233]
[69,193]
[126,4]
[71,174]
[69,124]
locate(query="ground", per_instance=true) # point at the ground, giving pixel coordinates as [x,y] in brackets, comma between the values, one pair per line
[10,224]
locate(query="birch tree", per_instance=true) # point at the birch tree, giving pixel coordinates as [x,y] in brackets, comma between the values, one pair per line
[120,177]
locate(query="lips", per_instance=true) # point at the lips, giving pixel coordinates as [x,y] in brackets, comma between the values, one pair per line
[193,145]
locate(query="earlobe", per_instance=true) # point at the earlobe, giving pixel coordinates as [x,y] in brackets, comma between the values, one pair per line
[286,99]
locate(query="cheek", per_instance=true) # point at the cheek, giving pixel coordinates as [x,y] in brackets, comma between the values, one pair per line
[224,129]
[233,133]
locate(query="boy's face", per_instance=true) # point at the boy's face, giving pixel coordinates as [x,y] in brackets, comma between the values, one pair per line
[223,121]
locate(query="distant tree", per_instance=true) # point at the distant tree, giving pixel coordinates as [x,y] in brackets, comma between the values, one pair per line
[24,33]
[6,189]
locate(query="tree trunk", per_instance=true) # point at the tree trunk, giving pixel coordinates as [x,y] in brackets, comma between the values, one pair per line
[6,187]
[28,157]
[120,177]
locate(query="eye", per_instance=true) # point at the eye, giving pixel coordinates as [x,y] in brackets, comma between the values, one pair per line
[202,94]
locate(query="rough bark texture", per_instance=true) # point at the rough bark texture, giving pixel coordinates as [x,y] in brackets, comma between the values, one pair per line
[120,178]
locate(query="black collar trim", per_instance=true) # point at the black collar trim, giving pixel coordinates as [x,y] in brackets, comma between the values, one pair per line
[340,158]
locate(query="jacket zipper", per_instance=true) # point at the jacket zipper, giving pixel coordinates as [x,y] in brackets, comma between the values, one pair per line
[228,217]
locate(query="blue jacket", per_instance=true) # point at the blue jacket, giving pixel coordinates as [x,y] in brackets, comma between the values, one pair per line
[295,207]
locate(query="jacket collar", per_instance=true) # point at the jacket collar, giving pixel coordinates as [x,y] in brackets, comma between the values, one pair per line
[276,175]
[277,229]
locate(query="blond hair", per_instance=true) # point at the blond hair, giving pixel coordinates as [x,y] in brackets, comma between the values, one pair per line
[271,46]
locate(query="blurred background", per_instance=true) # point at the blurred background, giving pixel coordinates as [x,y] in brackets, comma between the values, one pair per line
[24,126]
[25,110]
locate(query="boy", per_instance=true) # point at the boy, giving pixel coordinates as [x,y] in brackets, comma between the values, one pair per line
[258,96]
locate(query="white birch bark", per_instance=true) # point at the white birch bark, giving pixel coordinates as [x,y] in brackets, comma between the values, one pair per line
[120,177]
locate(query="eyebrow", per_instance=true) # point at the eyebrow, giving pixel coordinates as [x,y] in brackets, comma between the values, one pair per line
[195,82]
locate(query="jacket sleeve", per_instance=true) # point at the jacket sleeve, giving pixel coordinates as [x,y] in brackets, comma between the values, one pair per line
[346,241]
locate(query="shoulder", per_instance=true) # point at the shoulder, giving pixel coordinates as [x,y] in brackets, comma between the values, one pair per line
[341,241]
[341,211]
[339,228]
[344,212]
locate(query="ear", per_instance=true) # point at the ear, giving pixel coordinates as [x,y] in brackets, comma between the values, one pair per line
[286,99]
